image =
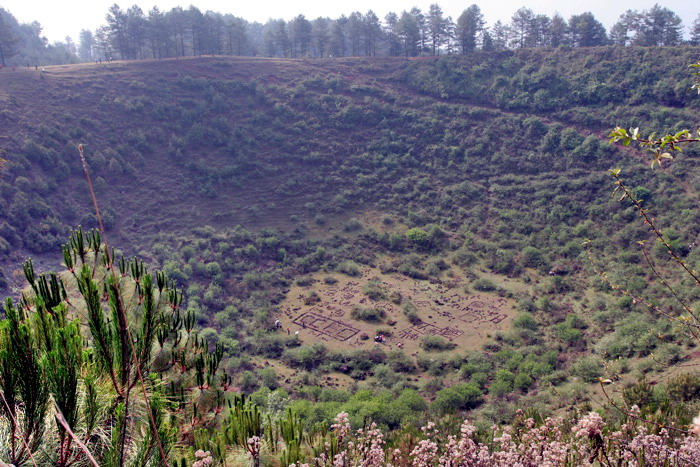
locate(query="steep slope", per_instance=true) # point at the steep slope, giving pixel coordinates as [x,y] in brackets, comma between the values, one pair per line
[486,171]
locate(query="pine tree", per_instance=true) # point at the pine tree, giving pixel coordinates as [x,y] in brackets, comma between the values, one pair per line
[487,41]
[539,34]
[117,27]
[470,26]
[437,28]
[237,36]
[659,27]
[136,31]
[422,25]
[321,36]
[409,33]
[196,25]
[8,41]
[354,29]
[93,351]
[558,31]
[695,32]
[586,31]
[339,37]
[624,27]
[372,32]
[521,26]
[500,35]
[391,21]
[300,36]
[86,45]
[281,38]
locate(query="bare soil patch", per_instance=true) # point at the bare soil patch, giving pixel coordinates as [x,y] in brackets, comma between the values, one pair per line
[445,310]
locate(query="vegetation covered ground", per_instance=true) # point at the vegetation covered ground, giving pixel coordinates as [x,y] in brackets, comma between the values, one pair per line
[267,188]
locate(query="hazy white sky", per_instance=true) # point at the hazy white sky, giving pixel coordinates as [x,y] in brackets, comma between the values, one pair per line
[67,17]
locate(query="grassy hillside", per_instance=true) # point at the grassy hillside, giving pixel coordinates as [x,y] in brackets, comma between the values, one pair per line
[265,187]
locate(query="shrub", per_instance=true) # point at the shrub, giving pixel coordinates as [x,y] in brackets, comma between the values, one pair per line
[353,225]
[374,291]
[349,267]
[462,396]
[634,335]
[480,379]
[269,345]
[567,333]
[475,362]
[522,381]
[268,378]
[306,357]
[434,365]
[436,344]
[532,257]
[418,237]
[304,281]
[386,376]
[395,297]
[684,387]
[311,298]
[210,335]
[484,285]
[500,388]
[372,315]
[411,313]
[249,382]
[525,321]
[398,361]
[588,369]
[464,258]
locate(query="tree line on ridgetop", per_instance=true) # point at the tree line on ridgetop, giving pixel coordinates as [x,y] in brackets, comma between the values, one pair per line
[132,34]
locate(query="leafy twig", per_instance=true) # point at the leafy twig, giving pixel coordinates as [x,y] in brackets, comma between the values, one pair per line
[661,147]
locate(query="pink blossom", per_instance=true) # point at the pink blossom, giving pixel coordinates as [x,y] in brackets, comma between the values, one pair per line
[590,426]
[203,458]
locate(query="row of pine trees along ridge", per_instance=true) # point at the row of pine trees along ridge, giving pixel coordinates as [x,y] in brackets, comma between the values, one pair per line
[133,34]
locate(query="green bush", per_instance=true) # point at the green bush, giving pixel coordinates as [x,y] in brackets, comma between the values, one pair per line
[525,321]
[523,381]
[418,237]
[588,369]
[249,382]
[436,344]
[372,315]
[304,281]
[268,378]
[411,313]
[532,257]
[567,333]
[398,361]
[353,225]
[349,268]
[684,387]
[463,396]
[306,357]
[484,285]
[374,290]
[634,336]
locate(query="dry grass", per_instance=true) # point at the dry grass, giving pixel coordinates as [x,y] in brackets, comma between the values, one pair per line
[467,319]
